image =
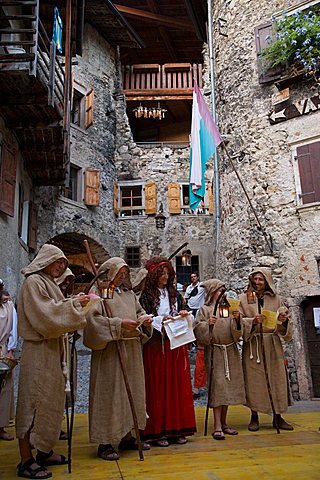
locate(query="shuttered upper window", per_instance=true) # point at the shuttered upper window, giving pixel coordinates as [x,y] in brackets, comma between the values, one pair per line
[8,169]
[135,199]
[179,200]
[82,107]
[308,158]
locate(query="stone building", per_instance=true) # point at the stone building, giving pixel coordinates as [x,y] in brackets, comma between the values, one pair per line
[272,122]
[126,166]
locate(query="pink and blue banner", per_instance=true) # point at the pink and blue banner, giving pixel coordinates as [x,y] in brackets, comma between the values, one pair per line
[205,137]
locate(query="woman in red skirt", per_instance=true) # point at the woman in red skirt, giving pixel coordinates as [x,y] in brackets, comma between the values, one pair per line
[167,372]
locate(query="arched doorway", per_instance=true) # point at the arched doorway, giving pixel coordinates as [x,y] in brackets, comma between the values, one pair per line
[311,311]
[71,244]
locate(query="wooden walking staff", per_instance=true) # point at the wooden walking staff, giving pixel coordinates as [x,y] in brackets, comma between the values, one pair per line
[266,370]
[122,362]
[211,367]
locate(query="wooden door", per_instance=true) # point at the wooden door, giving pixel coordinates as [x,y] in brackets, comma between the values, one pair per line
[313,342]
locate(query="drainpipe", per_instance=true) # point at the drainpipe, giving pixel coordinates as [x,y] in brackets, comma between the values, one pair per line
[213,111]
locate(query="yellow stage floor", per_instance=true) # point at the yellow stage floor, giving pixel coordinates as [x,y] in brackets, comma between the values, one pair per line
[248,456]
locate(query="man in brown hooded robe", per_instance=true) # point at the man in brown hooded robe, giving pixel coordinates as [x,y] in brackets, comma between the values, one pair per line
[110,416]
[44,317]
[261,294]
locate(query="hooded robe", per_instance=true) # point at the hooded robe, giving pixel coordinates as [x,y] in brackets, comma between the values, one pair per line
[252,361]
[227,385]
[44,315]
[110,416]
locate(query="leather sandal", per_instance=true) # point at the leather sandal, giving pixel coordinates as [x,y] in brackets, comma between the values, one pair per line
[254,423]
[107,452]
[218,435]
[229,430]
[132,444]
[162,442]
[45,460]
[25,470]
[280,422]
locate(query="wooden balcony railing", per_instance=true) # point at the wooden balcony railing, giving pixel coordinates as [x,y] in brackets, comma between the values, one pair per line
[168,80]
[25,46]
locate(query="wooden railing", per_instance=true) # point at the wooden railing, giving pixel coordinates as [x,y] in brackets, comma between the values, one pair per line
[154,77]
[25,46]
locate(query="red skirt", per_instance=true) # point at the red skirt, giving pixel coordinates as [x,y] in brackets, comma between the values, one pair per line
[168,390]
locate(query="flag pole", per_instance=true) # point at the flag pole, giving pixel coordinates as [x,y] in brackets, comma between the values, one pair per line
[267,239]
[216,156]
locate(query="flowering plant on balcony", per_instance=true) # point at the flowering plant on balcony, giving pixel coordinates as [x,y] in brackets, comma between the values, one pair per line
[296,42]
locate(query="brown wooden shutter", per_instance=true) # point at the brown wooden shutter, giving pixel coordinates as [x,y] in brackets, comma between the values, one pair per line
[116,199]
[262,33]
[308,157]
[210,197]
[32,226]
[91,186]
[174,203]
[150,198]
[8,180]
[21,200]
[89,108]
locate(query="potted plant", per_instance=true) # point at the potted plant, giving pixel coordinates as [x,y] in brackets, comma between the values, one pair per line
[295,43]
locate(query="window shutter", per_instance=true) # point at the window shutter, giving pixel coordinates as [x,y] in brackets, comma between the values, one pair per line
[8,180]
[174,198]
[309,170]
[116,199]
[91,186]
[262,32]
[89,108]
[210,197]
[32,226]
[150,198]
[21,200]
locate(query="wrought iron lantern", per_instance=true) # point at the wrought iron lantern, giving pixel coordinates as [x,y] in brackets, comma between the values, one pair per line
[107,293]
[160,218]
[224,307]
[186,258]
[251,297]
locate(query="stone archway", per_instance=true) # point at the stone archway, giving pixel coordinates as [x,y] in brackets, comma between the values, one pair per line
[71,244]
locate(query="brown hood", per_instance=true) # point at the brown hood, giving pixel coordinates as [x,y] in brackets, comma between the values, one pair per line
[210,287]
[266,272]
[113,265]
[67,273]
[141,275]
[46,255]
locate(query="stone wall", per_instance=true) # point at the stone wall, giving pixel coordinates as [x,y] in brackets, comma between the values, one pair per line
[162,164]
[94,148]
[268,170]
[14,252]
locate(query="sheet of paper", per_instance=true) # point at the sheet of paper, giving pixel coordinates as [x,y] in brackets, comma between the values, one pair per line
[234,304]
[271,319]
[92,302]
[178,338]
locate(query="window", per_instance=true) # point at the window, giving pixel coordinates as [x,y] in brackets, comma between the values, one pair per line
[82,107]
[133,256]
[131,200]
[179,200]
[263,34]
[184,273]
[308,166]
[135,198]
[74,189]
[27,225]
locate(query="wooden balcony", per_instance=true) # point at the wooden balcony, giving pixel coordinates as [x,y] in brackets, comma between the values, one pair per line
[32,90]
[171,81]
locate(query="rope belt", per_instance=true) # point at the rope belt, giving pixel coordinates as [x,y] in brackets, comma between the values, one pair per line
[256,335]
[225,357]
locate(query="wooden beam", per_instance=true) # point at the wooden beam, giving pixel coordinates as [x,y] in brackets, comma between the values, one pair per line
[140,98]
[156,18]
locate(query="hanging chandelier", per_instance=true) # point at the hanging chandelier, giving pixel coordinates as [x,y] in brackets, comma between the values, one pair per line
[152,112]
